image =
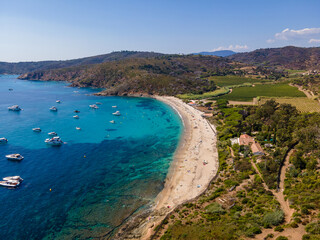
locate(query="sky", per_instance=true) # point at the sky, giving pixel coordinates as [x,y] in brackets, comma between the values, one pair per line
[34,30]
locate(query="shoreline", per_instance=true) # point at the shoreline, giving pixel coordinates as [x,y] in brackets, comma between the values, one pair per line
[195,164]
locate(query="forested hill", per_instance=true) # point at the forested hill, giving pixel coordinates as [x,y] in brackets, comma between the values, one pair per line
[24,67]
[167,74]
[287,57]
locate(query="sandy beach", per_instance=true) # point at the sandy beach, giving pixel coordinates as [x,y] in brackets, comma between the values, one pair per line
[195,164]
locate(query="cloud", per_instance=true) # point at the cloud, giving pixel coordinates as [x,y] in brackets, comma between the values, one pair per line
[232,48]
[270,41]
[312,40]
[288,34]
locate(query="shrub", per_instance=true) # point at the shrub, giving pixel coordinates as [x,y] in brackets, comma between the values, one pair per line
[273,218]
[215,208]
[270,235]
[281,238]
[294,225]
[279,228]
[313,227]
[253,231]
[297,220]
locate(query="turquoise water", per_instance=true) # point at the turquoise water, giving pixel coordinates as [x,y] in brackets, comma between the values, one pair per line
[100,176]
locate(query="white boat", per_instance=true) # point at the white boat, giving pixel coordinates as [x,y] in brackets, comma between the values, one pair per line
[15,157]
[98,103]
[53,108]
[3,140]
[76,116]
[117,113]
[114,106]
[94,106]
[52,134]
[10,183]
[13,178]
[78,128]
[36,129]
[112,121]
[14,108]
[58,101]
[55,141]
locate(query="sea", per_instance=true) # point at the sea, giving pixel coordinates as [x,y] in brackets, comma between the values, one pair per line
[100,176]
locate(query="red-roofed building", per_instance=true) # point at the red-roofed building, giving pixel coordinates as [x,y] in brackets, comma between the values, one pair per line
[245,139]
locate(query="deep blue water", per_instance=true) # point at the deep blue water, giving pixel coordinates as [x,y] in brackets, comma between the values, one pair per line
[99,177]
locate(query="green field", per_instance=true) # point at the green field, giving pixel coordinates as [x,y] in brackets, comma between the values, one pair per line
[215,93]
[230,80]
[302,104]
[262,90]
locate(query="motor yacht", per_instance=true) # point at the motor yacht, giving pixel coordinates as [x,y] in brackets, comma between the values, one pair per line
[13,178]
[98,103]
[14,108]
[53,108]
[52,134]
[15,157]
[55,141]
[3,140]
[10,183]
[112,121]
[36,129]
[117,113]
[78,128]
[76,111]
[58,101]
[94,106]
[114,106]
[76,116]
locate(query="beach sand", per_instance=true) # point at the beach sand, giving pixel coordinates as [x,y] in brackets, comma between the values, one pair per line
[194,166]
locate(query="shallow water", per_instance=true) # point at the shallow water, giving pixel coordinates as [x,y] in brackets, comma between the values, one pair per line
[99,177]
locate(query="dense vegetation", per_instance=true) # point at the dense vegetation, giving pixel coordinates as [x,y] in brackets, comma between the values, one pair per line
[167,74]
[237,204]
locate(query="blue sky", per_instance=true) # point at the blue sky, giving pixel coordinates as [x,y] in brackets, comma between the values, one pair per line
[54,29]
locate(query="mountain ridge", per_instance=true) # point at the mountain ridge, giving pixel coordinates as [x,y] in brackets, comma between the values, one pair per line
[289,57]
[220,53]
[24,67]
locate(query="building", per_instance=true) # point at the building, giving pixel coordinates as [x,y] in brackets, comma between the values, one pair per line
[256,149]
[234,141]
[245,139]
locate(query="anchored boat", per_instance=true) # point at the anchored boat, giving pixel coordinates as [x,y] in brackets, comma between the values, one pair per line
[53,108]
[3,140]
[117,113]
[15,157]
[10,183]
[14,178]
[55,141]
[14,108]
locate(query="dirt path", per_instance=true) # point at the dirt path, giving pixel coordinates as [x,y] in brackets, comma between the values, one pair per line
[279,194]
[291,233]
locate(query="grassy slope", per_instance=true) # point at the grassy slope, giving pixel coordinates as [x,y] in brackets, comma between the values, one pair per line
[232,80]
[215,93]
